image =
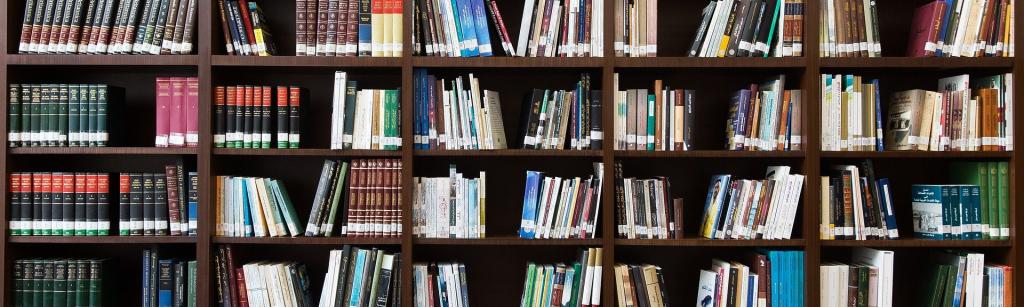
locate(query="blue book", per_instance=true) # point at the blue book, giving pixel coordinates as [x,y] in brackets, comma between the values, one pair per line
[965,219]
[423,116]
[943,28]
[926,202]
[165,284]
[246,209]
[886,198]
[879,140]
[193,203]
[527,226]
[145,277]
[365,46]
[958,287]
[739,125]
[357,279]
[463,283]
[483,36]
[972,194]
[468,28]
[463,49]
[717,190]
[474,208]
[947,213]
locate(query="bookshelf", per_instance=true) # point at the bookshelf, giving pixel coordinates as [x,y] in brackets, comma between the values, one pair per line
[499,259]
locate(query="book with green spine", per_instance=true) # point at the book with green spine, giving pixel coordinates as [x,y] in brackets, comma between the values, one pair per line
[36,112]
[531,273]
[95,280]
[19,282]
[37,282]
[62,116]
[26,114]
[73,114]
[102,94]
[14,115]
[285,205]
[339,187]
[52,118]
[974,173]
[93,115]
[60,280]
[193,268]
[1004,200]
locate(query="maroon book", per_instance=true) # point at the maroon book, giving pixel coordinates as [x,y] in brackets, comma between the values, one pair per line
[925,29]
[163,101]
[192,112]
[177,113]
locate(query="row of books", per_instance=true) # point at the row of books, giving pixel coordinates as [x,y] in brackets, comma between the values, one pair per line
[458,28]
[373,199]
[167,282]
[364,118]
[245,28]
[261,283]
[563,119]
[439,284]
[561,208]
[953,212]
[348,28]
[158,203]
[248,206]
[849,28]
[661,119]
[456,114]
[867,280]
[967,28]
[59,204]
[58,282]
[641,285]
[994,200]
[450,207]
[177,112]
[752,209]
[769,278]
[59,115]
[95,27]
[643,208]
[636,28]
[964,115]
[748,28]
[243,116]
[857,205]
[362,277]
[765,117]
[575,284]
[961,278]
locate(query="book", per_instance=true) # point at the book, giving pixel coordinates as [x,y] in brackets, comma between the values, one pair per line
[669,113]
[246,29]
[645,208]
[450,207]
[856,205]
[364,118]
[752,209]
[439,283]
[564,284]
[764,117]
[177,112]
[853,120]
[368,277]
[970,209]
[252,116]
[561,208]
[963,278]
[260,283]
[61,115]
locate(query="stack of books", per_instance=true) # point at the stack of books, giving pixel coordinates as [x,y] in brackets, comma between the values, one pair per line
[866,281]
[250,206]
[456,114]
[752,209]
[439,284]
[962,211]
[851,114]
[246,31]
[59,204]
[158,203]
[59,115]
[177,112]
[364,119]
[640,285]
[962,29]
[849,29]
[167,282]
[561,208]
[748,28]
[645,209]
[348,28]
[576,284]
[244,116]
[661,119]
[962,278]
[559,119]
[261,283]
[765,117]
[75,282]
[362,277]
[458,29]
[772,278]
[450,207]
[636,28]
[96,27]
[857,205]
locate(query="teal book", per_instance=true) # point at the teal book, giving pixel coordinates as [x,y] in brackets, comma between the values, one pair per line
[926,203]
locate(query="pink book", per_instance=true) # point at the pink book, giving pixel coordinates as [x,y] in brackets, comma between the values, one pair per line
[163,124]
[925,28]
[177,114]
[192,113]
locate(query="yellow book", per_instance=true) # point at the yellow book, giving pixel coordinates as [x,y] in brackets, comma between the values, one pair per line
[396,29]
[377,28]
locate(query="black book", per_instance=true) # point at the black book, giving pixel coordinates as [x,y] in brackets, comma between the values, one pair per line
[247,116]
[351,274]
[761,43]
[265,118]
[27,208]
[698,38]
[136,204]
[15,191]
[160,225]
[165,278]
[368,270]
[661,287]
[739,24]
[351,88]
[68,208]
[103,204]
[596,124]
[231,31]
[318,209]
[148,204]
[282,116]
[229,118]
[46,212]
[396,287]
[179,280]
[56,203]
[257,116]
[124,196]
[158,27]
[81,199]
[531,119]
[343,267]
[755,13]
[637,274]
[92,201]
[733,278]
[142,27]
[295,96]
[384,285]
[37,205]
[242,34]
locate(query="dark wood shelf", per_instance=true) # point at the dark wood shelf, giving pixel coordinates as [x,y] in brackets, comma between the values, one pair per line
[104,151]
[917,154]
[913,62]
[338,241]
[701,242]
[510,241]
[919,243]
[508,62]
[305,61]
[707,154]
[695,62]
[508,153]
[304,152]
[102,60]
[103,239]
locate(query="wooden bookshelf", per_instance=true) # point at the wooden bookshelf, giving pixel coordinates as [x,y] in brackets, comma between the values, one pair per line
[495,265]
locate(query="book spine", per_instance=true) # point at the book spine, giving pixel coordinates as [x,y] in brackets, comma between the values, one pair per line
[193,204]
[191,112]
[173,197]
[219,121]
[92,204]
[163,121]
[176,113]
[294,133]
[103,204]
[265,109]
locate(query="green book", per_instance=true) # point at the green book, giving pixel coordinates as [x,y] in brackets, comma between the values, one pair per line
[336,197]
[62,116]
[285,205]
[36,112]
[389,120]
[377,264]
[72,283]
[95,295]
[974,173]
[19,282]
[14,115]
[936,286]
[37,283]
[73,113]
[84,95]
[531,273]
[862,285]
[81,283]
[52,114]
[93,115]
[1004,200]
[26,114]
[650,122]
[577,280]
[192,270]
[60,280]
[47,288]
[101,114]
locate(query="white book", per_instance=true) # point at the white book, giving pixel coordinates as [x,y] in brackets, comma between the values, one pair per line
[338,109]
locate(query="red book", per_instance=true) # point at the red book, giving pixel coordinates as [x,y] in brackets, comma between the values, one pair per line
[243,300]
[103,204]
[233,293]
[163,101]
[69,203]
[268,98]
[924,30]
[192,112]
[43,189]
[352,206]
[177,113]
[246,20]
[92,189]
[171,174]
[80,188]
[125,189]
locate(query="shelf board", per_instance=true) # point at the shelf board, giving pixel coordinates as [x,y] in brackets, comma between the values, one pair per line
[102,60]
[919,243]
[918,62]
[507,241]
[701,242]
[696,62]
[337,241]
[916,154]
[707,154]
[102,239]
[305,61]
[508,153]
[305,152]
[504,62]
[103,150]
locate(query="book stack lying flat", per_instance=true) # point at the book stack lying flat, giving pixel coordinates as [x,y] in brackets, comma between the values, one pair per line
[59,115]
[636,28]
[961,278]
[851,114]
[866,281]
[167,282]
[561,208]
[439,284]
[459,28]
[348,28]
[660,119]
[559,119]
[575,284]
[752,209]
[260,207]
[640,285]
[645,209]
[245,28]
[245,116]
[364,118]
[158,203]
[456,114]
[765,117]
[59,204]
[958,212]
[747,28]
[362,277]
[994,195]
[772,278]
[60,282]
[177,112]
[856,205]
[962,29]
[261,283]
[849,29]
[96,27]
[450,207]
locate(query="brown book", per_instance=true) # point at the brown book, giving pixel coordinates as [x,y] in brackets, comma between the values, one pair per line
[677,218]
[784,108]
[352,201]
[658,115]
[300,27]
[243,297]
[179,28]
[47,25]
[173,199]
[322,17]
[987,128]
[26,26]
[352,28]
[117,29]
[61,36]
[229,263]
[331,36]
[190,28]
[678,120]
[311,19]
